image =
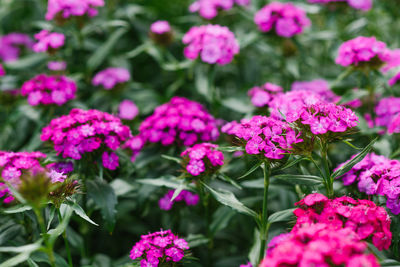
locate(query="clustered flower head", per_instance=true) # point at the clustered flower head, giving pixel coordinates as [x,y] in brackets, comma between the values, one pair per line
[363,52]
[387,113]
[48,41]
[320,245]
[47,90]
[127,110]
[202,158]
[363,5]
[57,65]
[377,175]
[66,9]
[364,217]
[265,136]
[85,131]
[214,44]
[160,27]
[159,248]
[166,202]
[319,86]
[395,79]
[12,165]
[285,18]
[61,167]
[323,118]
[208,9]
[10,45]
[262,95]
[110,77]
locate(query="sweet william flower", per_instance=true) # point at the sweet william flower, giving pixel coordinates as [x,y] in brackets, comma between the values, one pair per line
[262,95]
[110,77]
[48,41]
[66,9]
[190,199]
[208,9]
[160,27]
[202,158]
[127,110]
[10,45]
[57,65]
[2,71]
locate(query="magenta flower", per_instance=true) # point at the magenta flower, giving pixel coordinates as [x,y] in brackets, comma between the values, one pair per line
[110,77]
[208,9]
[363,5]
[262,96]
[48,90]
[48,41]
[10,45]
[2,71]
[128,110]
[57,65]
[395,79]
[202,158]
[213,43]
[320,87]
[190,199]
[66,9]
[159,248]
[387,114]
[62,167]
[285,18]
[160,27]
[82,132]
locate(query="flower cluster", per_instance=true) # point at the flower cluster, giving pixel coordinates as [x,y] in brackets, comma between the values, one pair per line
[363,217]
[110,77]
[388,114]
[47,90]
[10,45]
[264,136]
[160,27]
[157,248]
[262,96]
[208,9]
[2,71]
[320,87]
[363,5]
[363,51]
[66,9]
[287,19]
[127,110]
[323,118]
[61,167]
[57,65]
[202,158]
[214,44]
[395,79]
[12,165]
[320,245]
[377,175]
[87,131]
[166,202]
[48,41]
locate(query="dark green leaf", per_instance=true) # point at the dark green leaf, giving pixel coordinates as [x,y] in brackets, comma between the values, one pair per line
[310,180]
[252,169]
[228,179]
[27,62]
[177,160]
[80,212]
[221,218]
[292,163]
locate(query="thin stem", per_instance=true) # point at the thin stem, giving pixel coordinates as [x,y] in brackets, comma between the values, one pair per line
[49,247]
[65,241]
[342,76]
[205,197]
[264,215]
[325,162]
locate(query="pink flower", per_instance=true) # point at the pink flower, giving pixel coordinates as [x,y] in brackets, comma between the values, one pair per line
[72,8]
[166,203]
[110,160]
[363,5]
[2,71]
[128,110]
[262,96]
[110,77]
[48,41]
[320,87]
[57,65]
[387,114]
[160,27]
[10,45]
[208,9]
[395,79]
[202,157]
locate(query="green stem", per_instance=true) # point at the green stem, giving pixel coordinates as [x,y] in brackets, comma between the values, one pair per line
[342,76]
[264,216]
[49,247]
[64,234]
[205,197]
[327,176]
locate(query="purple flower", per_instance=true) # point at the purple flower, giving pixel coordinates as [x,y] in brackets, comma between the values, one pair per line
[2,71]
[57,65]
[70,8]
[110,160]
[262,96]
[320,87]
[10,45]
[128,110]
[208,9]
[166,203]
[363,5]
[387,114]
[48,41]
[202,157]
[395,79]
[160,27]
[110,77]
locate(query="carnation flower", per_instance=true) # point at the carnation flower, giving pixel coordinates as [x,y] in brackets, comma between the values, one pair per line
[166,202]
[159,248]
[320,245]
[128,110]
[262,96]
[82,132]
[208,9]
[213,43]
[62,167]
[57,65]
[110,77]
[10,45]
[364,217]
[363,52]
[202,158]
[363,5]
[66,9]
[47,90]
[395,79]
[285,18]
[160,27]
[387,114]
[48,41]
[264,136]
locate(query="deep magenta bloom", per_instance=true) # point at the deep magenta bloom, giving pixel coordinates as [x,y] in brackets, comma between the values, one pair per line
[363,5]
[160,27]
[363,50]
[85,131]
[127,110]
[190,199]
[208,9]
[364,217]
[158,248]
[213,43]
[67,9]
[2,71]
[266,136]
[395,79]
[202,158]
[285,18]
[320,245]
[262,95]
[110,77]
[387,114]
[12,165]
[48,41]
[62,167]
[319,86]
[47,90]
[10,45]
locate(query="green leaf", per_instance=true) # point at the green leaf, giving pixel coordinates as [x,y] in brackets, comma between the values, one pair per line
[10,232]
[221,218]
[55,233]
[227,198]
[137,50]
[16,260]
[350,144]
[170,182]
[347,167]
[17,209]
[196,240]
[252,169]
[390,262]
[281,216]
[26,248]
[255,249]
[51,216]
[104,197]
[292,163]
[257,183]
[177,160]
[230,148]
[237,105]
[27,62]
[228,179]
[178,191]
[309,180]
[80,212]
[104,50]
[121,187]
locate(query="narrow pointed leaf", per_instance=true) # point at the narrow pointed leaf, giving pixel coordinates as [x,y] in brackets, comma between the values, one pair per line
[80,212]
[281,216]
[228,179]
[177,160]
[310,180]
[252,169]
